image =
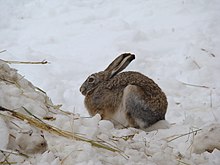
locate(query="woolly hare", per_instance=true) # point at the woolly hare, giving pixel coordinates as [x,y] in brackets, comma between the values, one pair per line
[128,99]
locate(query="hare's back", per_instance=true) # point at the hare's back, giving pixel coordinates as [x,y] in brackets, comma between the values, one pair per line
[147,89]
[138,79]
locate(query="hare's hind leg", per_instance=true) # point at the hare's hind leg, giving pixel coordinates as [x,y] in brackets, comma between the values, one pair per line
[137,108]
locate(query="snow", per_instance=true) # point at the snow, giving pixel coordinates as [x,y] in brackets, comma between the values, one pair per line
[3,136]
[207,137]
[176,44]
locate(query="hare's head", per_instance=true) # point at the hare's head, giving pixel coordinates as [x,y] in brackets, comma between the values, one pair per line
[120,63]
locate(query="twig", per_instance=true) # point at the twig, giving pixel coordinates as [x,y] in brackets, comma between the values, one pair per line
[57,107]
[185,134]
[14,153]
[5,161]
[37,88]
[196,64]
[194,85]
[9,152]
[64,159]
[211,105]
[8,163]
[210,98]
[180,161]
[123,155]
[208,52]
[3,51]
[11,82]
[33,115]
[26,62]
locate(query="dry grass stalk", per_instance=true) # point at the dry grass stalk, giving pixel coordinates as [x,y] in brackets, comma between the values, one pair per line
[38,89]
[181,135]
[36,122]
[7,154]
[211,106]
[210,98]
[26,62]
[182,162]
[2,51]
[14,153]
[194,85]
[10,81]
[210,53]
[196,64]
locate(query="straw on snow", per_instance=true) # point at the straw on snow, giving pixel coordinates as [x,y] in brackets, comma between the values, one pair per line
[36,122]
[26,62]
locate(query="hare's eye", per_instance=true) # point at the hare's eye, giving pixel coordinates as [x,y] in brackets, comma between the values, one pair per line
[91,79]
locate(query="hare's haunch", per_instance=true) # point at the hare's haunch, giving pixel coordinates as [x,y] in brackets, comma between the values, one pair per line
[128,99]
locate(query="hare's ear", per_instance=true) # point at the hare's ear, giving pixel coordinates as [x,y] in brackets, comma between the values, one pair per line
[120,63]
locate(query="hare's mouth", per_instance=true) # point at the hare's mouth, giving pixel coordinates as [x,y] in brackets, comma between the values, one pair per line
[85,91]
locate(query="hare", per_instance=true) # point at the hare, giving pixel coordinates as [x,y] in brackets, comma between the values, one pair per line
[128,99]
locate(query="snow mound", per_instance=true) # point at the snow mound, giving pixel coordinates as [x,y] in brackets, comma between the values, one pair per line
[163,146]
[17,92]
[208,139]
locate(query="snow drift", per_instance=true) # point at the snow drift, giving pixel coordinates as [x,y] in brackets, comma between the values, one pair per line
[177,45]
[130,146]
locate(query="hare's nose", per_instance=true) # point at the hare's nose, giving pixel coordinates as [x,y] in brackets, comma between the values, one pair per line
[82,90]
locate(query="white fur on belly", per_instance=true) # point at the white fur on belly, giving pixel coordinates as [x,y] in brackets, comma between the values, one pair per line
[119,119]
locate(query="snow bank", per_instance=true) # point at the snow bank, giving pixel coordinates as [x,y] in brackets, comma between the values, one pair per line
[176,44]
[137,147]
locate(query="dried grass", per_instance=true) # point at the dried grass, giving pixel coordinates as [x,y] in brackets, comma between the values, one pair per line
[174,137]
[36,122]
[26,62]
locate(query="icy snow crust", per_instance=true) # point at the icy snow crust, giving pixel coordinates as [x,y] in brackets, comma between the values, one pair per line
[176,43]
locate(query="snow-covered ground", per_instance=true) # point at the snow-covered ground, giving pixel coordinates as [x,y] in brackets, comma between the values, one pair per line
[176,43]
